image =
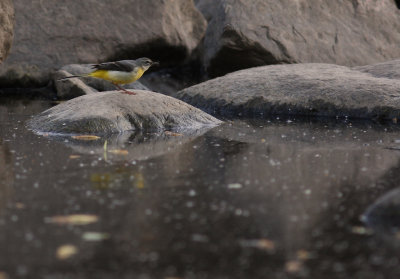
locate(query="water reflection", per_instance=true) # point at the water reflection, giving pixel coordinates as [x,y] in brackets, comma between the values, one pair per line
[6,175]
[384,215]
[243,200]
[130,146]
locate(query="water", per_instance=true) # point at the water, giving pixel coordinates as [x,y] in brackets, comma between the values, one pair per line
[248,199]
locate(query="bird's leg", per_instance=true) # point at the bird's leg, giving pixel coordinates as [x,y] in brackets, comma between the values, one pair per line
[124,90]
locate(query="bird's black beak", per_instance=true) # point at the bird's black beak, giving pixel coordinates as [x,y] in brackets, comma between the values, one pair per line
[155,63]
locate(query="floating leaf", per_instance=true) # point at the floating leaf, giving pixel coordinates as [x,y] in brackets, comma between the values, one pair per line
[75,219]
[74,156]
[172,134]
[85,137]
[105,150]
[19,205]
[361,230]
[303,255]
[139,181]
[234,186]
[95,236]
[119,151]
[294,266]
[66,251]
[263,244]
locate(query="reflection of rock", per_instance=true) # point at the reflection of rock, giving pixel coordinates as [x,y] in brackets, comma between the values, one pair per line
[299,170]
[6,175]
[134,146]
[115,112]
[384,214]
[294,181]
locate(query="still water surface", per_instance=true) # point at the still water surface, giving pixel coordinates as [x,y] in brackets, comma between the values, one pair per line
[247,199]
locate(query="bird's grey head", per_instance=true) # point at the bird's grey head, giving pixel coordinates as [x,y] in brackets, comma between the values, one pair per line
[145,63]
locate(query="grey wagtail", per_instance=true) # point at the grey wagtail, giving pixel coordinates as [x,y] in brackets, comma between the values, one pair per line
[120,72]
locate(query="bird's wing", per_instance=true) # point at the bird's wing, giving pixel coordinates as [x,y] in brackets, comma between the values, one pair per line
[123,66]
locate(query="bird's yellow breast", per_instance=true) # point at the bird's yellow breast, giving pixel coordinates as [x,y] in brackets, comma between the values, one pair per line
[118,77]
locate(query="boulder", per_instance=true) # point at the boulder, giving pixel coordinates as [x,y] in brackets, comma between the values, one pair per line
[75,87]
[49,35]
[299,89]
[244,34]
[114,112]
[388,69]
[6,27]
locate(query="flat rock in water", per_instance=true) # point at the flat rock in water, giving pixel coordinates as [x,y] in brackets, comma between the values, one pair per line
[113,112]
[301,89]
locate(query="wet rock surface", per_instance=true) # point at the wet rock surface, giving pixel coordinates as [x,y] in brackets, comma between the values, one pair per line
[301,89]
[6,27]
[88,32]
[114,112]
[244,34]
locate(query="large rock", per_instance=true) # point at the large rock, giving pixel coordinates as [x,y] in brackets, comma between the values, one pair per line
[114,112]
[243,34]
[6,27]
[49,34]
[300,89]
[388,69]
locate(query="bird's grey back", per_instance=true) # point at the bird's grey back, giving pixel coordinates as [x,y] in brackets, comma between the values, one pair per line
[122,65]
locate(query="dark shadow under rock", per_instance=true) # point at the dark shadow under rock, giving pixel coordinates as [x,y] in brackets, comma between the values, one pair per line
[115,112]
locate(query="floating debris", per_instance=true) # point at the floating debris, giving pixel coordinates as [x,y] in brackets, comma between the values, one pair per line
[85,137]
[74,156]
[294,266]
[361,230]
[19,205]
[118,151]
[235,186]
[95,236]
[3,275]
[75,219]
[303,255]
[263,244]
[199,238]
[66,251]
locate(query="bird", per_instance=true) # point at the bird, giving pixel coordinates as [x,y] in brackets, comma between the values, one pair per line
[119,72]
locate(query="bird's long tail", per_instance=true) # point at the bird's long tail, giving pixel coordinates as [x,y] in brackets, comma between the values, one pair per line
[75,76]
